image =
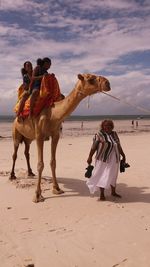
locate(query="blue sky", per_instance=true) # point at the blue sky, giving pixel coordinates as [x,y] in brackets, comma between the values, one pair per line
[109,38]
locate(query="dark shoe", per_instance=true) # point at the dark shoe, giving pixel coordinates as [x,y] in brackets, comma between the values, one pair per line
[89,169]
[123,165]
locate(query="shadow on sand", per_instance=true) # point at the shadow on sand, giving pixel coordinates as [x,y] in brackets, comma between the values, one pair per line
[75,187]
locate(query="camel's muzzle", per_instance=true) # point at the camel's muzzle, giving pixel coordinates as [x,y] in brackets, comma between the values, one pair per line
[107,86]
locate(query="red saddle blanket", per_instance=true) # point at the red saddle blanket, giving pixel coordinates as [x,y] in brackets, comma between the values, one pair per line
[49,93]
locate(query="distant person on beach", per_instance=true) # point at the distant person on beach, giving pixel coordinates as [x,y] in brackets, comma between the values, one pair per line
[39,71]
[26,72]
[108,149]
[132,122]
[81,125]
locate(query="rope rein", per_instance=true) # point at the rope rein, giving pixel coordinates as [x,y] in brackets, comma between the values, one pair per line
[127,103]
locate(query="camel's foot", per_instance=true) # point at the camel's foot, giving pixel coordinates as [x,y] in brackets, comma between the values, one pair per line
[38,198]
[57,191]
[30,173]
[12,177]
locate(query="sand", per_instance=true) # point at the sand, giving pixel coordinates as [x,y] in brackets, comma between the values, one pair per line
[74,229]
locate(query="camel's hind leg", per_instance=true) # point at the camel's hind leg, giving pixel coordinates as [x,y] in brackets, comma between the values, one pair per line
[27,143]
[54,142]
[17,139]
[14,157]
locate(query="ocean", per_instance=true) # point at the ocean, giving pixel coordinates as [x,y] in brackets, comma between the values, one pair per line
[10,118]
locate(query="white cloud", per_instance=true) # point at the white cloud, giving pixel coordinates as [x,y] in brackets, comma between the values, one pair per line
[19,5]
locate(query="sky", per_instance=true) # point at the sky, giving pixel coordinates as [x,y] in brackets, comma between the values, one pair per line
[104,37]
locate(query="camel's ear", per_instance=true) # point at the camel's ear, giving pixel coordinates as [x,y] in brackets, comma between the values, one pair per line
[81,77]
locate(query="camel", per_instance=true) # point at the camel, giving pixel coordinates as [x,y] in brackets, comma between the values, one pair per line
[47,124]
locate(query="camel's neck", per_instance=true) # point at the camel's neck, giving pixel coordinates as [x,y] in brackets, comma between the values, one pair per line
[65,107]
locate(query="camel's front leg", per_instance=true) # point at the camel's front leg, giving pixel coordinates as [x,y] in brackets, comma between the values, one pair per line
[27,155]
[40,144]
[54,142]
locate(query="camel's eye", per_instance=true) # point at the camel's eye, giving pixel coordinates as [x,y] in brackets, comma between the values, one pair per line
[92,80]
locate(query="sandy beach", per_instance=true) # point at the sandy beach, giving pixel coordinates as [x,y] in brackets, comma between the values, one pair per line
[74,229]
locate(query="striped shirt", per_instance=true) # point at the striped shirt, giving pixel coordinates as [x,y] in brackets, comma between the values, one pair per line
[104,144]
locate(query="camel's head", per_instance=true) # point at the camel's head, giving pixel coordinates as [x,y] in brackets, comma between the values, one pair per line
[91,84]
